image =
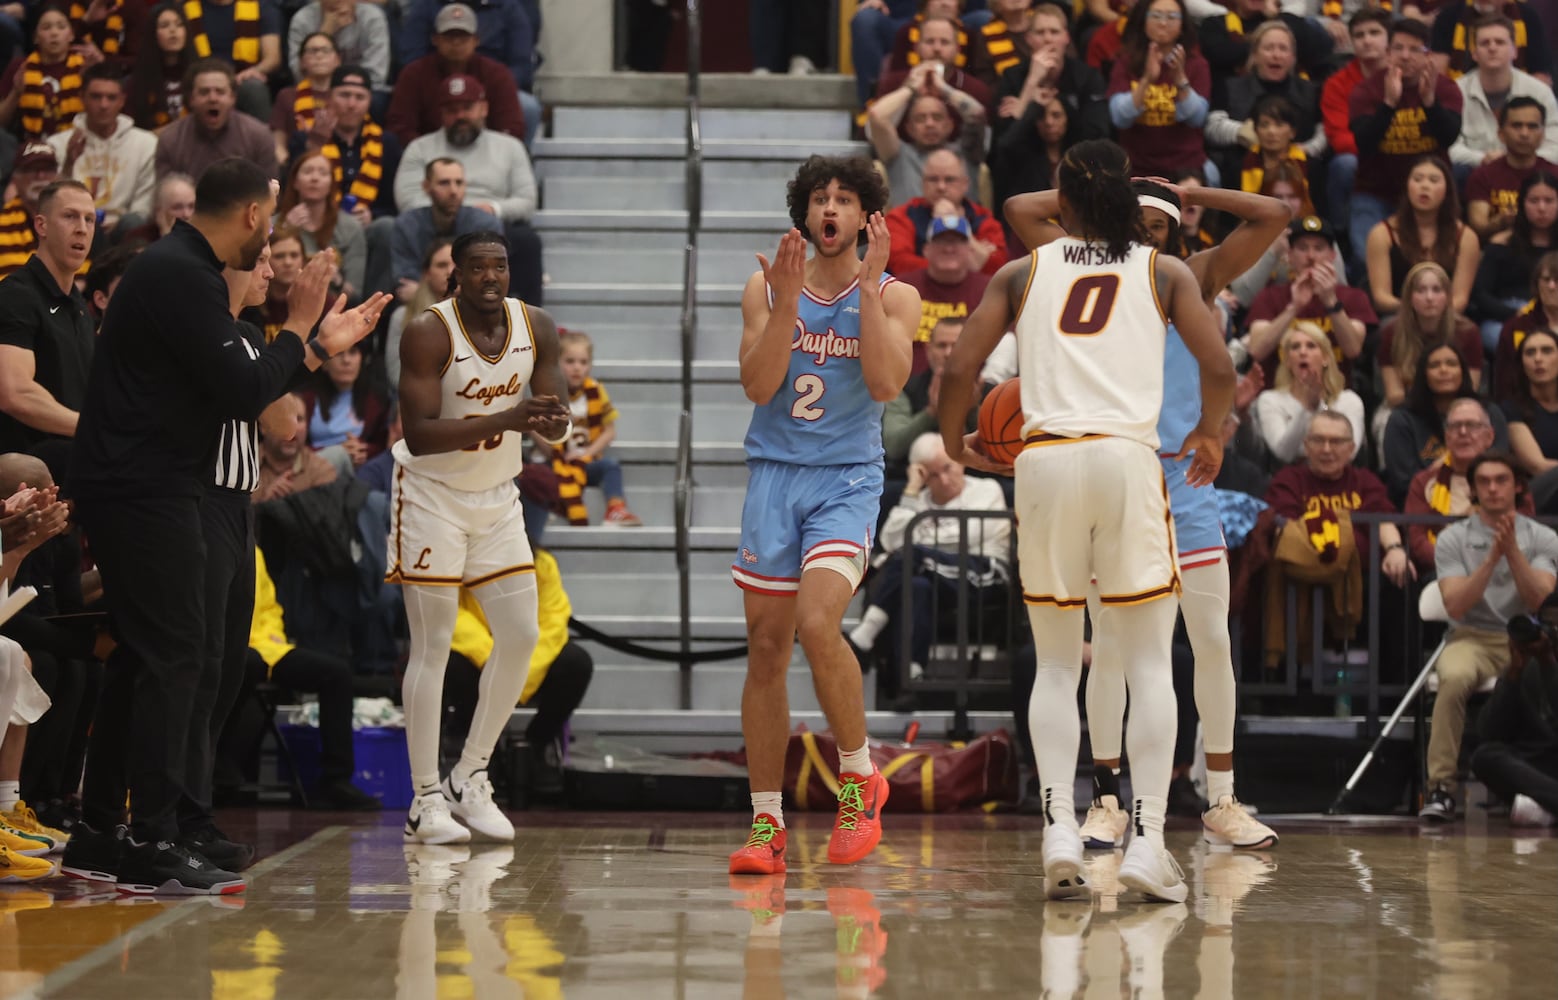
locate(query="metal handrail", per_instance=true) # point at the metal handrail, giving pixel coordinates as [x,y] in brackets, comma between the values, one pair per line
[689,324]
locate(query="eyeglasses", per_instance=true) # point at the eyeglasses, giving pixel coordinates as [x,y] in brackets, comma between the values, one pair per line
[1320,441]
[1164,15]
[1408,50]
[1466,426]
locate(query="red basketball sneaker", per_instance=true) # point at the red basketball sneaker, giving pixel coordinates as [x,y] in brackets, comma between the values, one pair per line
[764,850]
[858,828]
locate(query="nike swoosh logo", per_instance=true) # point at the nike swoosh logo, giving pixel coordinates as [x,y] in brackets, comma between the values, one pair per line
[857,482]
[414,824]
[458,359]
[54,310]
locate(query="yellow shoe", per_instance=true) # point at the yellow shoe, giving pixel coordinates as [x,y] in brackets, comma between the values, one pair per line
[26,844]
[20,868]
[22,818]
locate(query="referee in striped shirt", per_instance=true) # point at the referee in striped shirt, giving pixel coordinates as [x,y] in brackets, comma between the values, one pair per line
[170,370]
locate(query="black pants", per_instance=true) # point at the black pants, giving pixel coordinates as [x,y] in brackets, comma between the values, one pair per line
[305,671]
[152,557]
[1510,771]
[932,597]
[524,260]
[555,700]
[57,742]
[1024,666]
[227,521]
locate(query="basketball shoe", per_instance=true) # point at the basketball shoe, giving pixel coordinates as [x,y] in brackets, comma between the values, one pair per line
[1229,824]
[858,828]
[95,855]
[861,942]
[1106,824]
[20,868]
[169,869]
[1065,873]
[1152,871]
[32,845]
[470,799]
[21,817]
[763,853]
[1526,811]
[429,822]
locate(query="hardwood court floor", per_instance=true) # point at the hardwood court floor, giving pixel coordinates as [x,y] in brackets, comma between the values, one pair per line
[626,907]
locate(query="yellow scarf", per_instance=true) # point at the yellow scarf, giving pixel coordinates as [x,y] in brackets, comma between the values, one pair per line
[599,412]
[107,35]
[246,32]
[370,165]
[47,110]
[1439,492]
[303,107]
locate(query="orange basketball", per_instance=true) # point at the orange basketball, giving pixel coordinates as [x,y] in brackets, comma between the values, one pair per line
[1000,421]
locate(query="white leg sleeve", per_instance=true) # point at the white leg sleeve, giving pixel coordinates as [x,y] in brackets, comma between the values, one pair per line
[430,614]
[1052,708]
[511,607]
[1204,602]
[1144,633]
[1105,687]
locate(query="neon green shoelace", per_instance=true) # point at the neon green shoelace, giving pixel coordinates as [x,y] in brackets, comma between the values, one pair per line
[851,804]
[848,935]
[762,833]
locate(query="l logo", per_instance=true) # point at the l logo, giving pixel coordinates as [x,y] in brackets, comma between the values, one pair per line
[422,562]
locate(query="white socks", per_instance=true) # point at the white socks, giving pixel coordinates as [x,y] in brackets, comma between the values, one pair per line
[771,803]
[1219,785]
[1147,818]
[871,625]
[10,794]
[855,761]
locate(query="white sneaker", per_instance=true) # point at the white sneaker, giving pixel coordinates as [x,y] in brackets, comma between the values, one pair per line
[1065,874]
[1229,824]
[1526,812]
[1152,871]
[802,66]
[471,801]
[429,822]
[1106,824]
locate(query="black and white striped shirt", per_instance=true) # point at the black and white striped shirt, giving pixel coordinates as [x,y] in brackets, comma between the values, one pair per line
[238,448]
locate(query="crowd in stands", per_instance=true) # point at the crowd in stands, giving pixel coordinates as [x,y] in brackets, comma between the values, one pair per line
[1400,330]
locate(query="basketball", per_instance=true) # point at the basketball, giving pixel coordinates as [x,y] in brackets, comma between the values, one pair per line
[1000,421]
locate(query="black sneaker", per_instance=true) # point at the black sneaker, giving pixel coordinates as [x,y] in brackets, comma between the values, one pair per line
[343,795]
[171,869]
[1439,807]
[94,855]
[211,844]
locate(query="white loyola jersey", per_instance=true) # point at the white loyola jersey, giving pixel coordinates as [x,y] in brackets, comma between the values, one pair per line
[478,385]
[1090,342]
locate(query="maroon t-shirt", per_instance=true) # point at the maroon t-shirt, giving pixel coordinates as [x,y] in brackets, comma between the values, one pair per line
[1498,183]
[939,301]
[1382,171]
[1466,339]
[1158,144]
[1297,492]
[1274,298]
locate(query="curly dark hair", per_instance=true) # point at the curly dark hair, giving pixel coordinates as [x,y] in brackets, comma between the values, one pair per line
[1095,179]
[462,248]
[854,173]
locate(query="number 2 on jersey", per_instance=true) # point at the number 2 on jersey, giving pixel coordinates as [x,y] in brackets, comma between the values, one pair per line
[1089,304]
[809,389]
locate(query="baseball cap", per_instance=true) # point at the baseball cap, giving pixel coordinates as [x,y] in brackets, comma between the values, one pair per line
[455,17]
[1311,225]
[351,75]
[37,155]
[949,224]
[462,89]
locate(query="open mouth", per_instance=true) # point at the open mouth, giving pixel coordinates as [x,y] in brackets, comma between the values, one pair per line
[830,231]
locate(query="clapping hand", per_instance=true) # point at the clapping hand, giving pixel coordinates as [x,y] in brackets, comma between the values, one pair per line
[787,274]
[306,297]
[342,327]
[879,245]
[545,415]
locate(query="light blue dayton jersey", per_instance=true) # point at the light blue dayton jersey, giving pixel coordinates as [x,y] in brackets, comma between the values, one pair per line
[823,414]
[1181,394]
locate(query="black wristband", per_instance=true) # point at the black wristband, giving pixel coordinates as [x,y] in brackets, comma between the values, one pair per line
[318,350]
[1338,307]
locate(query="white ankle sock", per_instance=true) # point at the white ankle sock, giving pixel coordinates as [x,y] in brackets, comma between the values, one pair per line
[10,794]
[871,625]
[855,761]
[771,803]
[1147,818]
[1219,784]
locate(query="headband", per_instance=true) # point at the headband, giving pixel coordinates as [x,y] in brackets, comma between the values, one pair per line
[1168,208]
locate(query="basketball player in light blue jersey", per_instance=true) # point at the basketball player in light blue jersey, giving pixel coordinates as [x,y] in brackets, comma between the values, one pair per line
[1198,532]
[825,343]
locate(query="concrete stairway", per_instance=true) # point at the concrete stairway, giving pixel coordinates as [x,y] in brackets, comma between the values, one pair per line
[613,217]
